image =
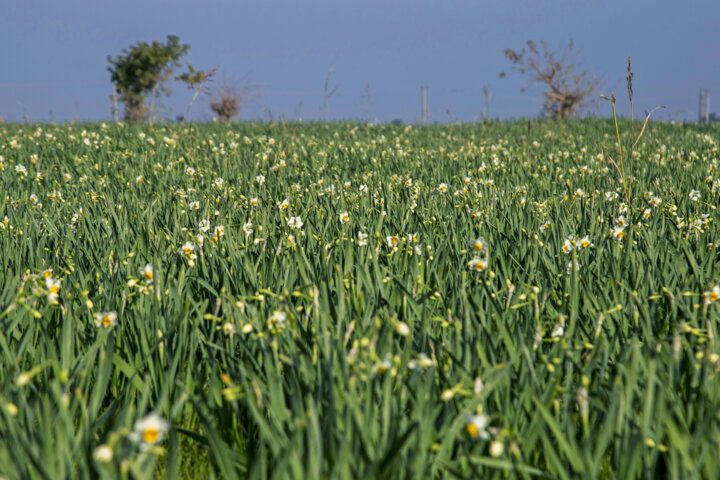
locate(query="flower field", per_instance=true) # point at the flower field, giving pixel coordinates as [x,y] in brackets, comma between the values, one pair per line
[341,300]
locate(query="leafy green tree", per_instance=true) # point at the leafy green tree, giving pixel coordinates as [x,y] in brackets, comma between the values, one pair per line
[141,70]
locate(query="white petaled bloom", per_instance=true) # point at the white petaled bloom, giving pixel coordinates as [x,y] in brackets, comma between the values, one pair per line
[260,179]
[105,319]
[362,239]
[194,205]
[621,221]
[478,264]
[443,188]
[295,222]
[277,318]
[190,171]
[567,246]
[188,248]
[479,245]
[147,273]
[694,195]
[247,228]
[579,194]
[20,169]
[713,295]
[618,233]
[392,240]
[655,201]
[34,198]
[647,213]
[344,218]
[610,196]
[150,429]
[254,202]
[584,242]
[219,231]
[284,205]
[544,226]
[204,225]
[53,286]
[477,426]
[559,328]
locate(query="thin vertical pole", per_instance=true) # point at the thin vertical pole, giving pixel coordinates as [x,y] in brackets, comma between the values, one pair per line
[424,104]
[707,106]
[114,104]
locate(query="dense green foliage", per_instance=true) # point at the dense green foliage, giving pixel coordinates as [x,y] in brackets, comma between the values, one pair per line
[142,68]
[473,301]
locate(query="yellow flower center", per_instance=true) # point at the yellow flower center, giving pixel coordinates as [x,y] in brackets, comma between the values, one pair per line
[148,275]
[713,296]
[478,246]
[46,274]
[472,430]
[479,266]
[394,240]
[621,234]
[106,321]
[214,238]
[187,251]
[151,435]
[585,243]
[54,289]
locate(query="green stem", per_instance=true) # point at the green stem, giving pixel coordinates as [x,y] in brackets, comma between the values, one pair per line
[622,167]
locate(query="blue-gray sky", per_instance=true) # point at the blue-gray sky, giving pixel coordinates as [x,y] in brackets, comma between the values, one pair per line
[54,54]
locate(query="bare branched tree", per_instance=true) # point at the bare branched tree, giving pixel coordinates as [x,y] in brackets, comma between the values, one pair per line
[230,100]
[566,92]
[196,81]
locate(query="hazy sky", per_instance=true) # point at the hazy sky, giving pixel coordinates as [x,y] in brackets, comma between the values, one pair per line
[54,53]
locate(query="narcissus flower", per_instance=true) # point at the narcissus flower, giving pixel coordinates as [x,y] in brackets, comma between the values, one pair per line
[148,273]
[105,319]
[392,240]
[479,245]
[618,232]
[188,248]
[478,264]
[477,425]
[53,286]
[344,218]
[713,295]
[295,222]
[150,429]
